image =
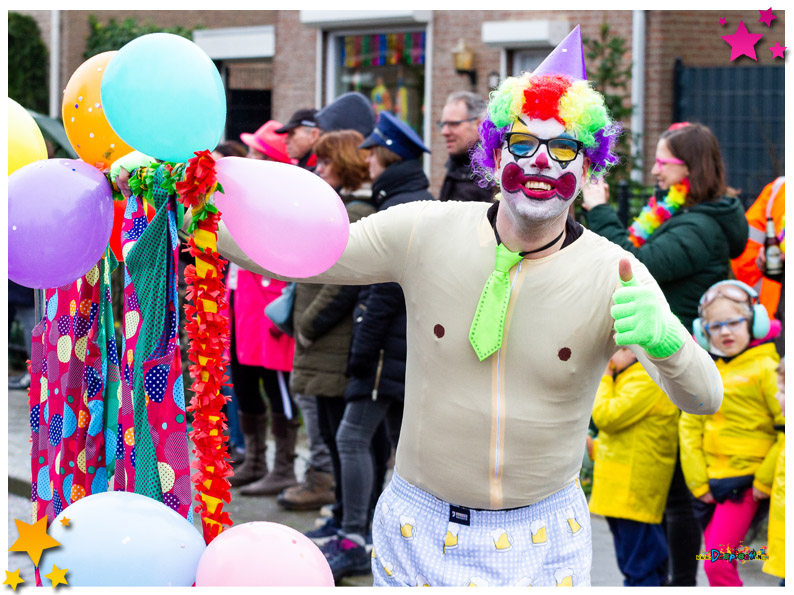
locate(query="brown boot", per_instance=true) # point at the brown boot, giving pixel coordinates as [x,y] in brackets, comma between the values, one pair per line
[254,427]
[316,490]
[285,431]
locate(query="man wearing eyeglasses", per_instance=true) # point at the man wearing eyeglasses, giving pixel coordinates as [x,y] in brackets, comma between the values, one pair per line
[513,311]
[460,118]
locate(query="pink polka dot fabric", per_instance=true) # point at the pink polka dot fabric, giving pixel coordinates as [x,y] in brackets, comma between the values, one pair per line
[163,403]
[66,397]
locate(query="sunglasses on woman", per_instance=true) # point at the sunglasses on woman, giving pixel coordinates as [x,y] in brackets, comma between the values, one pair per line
[561,149]
[662,162]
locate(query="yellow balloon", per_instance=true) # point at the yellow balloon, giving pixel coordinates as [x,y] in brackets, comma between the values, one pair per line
[25,141]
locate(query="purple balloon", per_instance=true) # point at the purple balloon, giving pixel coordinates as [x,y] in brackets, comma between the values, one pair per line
[60,215]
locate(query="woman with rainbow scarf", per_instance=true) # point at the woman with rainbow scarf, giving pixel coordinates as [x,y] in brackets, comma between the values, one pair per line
[686,240]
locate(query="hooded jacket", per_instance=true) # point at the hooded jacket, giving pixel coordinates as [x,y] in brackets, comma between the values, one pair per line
[378,350]
[739,439]
[688,253]
[635,451]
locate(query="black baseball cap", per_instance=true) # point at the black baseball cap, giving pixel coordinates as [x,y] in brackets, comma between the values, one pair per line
[303,117]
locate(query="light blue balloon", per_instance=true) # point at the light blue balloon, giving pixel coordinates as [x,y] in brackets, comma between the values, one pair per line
[117,532]
[164,97]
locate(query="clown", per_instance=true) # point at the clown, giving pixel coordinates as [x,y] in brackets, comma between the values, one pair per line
[513,311]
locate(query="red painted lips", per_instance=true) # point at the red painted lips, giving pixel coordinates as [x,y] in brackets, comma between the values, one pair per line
[514,179]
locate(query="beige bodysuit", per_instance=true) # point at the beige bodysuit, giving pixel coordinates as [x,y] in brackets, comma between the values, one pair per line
[510,430]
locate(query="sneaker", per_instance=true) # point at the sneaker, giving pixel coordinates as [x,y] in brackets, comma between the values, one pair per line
[19,382]
[324,533]
[327,510]
[347,558]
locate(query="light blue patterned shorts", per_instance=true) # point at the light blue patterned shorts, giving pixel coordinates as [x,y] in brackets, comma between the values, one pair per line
[420,540]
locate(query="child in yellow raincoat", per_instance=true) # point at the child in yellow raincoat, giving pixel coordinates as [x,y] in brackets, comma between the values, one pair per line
[729,457]
[634,461]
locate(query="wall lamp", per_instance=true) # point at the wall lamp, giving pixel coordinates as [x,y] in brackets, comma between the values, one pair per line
[463,59]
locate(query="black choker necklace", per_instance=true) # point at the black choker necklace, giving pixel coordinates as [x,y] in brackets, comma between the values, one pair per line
[541,249]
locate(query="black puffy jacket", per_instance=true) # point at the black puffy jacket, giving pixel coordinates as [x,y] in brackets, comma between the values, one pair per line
[377,354]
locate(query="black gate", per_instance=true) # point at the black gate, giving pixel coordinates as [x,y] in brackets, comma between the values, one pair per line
[745,108]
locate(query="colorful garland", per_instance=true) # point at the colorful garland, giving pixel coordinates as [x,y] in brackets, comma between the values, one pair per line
[654,214]
[208,332]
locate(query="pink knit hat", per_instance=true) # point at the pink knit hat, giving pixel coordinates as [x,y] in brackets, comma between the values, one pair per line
[266,141]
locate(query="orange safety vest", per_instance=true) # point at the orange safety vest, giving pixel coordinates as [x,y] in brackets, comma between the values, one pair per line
[770,203]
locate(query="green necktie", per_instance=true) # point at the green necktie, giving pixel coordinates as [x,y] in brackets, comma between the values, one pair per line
[489,318]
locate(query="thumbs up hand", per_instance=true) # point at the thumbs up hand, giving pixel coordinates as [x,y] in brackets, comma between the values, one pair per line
[641,319]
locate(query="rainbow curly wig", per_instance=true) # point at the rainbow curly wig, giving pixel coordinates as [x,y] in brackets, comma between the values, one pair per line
[573,103]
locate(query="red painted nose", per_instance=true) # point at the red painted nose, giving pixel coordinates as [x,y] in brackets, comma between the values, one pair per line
[542,162]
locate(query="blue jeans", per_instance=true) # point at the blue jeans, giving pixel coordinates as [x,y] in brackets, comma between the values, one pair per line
[353,441]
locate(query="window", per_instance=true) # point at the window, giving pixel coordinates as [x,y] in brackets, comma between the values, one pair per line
[387,67]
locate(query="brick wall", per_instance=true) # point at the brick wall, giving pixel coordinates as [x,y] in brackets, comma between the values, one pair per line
[293,65]
[695,37]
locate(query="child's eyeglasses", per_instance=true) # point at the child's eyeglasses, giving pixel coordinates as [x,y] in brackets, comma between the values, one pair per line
[716,327]
[561,149]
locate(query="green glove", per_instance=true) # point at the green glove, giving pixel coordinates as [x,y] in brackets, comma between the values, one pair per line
[641,319]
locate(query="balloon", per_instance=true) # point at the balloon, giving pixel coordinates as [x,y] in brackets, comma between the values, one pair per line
[122,539]
[263,554]
[119,207]
[86,126]
[60,213]
[25,141]
[163,95]
[284,218]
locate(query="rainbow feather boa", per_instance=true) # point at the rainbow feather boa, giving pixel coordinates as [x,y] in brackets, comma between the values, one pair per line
[654,213]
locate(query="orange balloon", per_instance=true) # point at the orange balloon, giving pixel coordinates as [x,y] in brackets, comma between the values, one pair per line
[86,126]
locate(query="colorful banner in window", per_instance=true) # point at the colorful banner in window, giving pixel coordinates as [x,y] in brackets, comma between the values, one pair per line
[382,50]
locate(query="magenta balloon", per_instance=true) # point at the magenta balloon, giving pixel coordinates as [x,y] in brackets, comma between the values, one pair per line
[60,213]
[284,218]
[263,554]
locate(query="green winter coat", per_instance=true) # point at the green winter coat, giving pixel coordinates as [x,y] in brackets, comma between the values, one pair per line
[688,253]
[323,314]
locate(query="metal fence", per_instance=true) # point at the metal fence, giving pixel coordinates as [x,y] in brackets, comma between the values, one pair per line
[745,108]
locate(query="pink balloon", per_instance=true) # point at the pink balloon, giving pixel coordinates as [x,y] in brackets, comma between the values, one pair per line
[263,554]
[284,218]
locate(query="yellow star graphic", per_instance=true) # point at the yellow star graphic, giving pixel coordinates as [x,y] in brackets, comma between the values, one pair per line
[64,522]
[13,579]
[33,539]
[57,576]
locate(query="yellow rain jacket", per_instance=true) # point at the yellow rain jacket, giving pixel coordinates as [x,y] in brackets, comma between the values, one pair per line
[776,565]
[740,438]
[636,447]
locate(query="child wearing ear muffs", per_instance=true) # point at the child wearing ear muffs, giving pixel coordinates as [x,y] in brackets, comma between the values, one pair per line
[728,458]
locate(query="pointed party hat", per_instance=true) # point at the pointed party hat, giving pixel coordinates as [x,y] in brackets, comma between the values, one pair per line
[567,58]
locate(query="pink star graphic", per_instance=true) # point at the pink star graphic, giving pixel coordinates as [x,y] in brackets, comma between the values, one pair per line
[742,42]
[766,17]
[723,22]
[777,50]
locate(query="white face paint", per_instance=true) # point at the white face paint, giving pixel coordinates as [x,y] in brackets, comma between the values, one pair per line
[538,188]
